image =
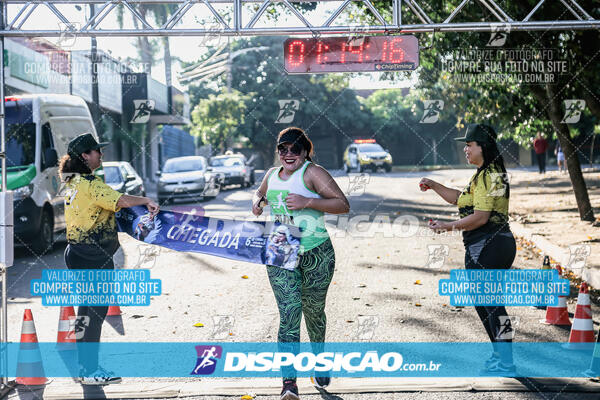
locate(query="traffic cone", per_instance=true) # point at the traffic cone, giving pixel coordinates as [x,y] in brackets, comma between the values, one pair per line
[30,370]
[594,370]
[558,315]
[66,326]
[582,330]
[113,311]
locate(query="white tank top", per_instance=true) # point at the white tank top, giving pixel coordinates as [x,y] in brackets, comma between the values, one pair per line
[277,190]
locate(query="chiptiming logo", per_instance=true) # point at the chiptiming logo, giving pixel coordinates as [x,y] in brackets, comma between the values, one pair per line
[207,359]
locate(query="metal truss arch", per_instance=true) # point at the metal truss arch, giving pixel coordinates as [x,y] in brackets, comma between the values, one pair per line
[245,25]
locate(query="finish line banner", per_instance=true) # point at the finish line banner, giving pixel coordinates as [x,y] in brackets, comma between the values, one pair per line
[251,359]
[270,243]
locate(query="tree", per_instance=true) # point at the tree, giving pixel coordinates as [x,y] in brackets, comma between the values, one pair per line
[518,110]
[217,119]
[329,112]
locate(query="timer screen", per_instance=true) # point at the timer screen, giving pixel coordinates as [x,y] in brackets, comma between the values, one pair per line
[351,54]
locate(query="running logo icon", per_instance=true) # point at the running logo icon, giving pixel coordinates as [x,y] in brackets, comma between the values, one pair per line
[508,326]
[207,359]
[573,110]
[366,327]
[498,36]
[77,327]
[358,183]
[500,182]
[148,254]
[68,36]
[142,110]
[437,255]
[287,111]
[222,326]
[578,256]
[431,111]
[213,35]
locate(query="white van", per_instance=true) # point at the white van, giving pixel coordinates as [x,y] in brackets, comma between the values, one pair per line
[38,130]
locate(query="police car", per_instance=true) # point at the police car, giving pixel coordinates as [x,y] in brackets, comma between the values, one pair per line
[365,154]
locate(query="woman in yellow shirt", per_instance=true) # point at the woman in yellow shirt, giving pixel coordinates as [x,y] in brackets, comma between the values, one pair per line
[90,207]
[483,211]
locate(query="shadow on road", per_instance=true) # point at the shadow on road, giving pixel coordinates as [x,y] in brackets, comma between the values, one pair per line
[28,266]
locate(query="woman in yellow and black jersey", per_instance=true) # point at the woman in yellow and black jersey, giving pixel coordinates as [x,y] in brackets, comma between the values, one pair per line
[483,211]
[90,207]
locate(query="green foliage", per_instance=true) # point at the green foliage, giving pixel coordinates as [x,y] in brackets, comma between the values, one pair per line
[217,118]
[328,111]
[518,111]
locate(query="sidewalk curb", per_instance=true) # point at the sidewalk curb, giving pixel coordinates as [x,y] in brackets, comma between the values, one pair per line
[561,255]
[271,387]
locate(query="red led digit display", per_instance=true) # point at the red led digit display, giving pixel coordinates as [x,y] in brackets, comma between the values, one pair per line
[351,54]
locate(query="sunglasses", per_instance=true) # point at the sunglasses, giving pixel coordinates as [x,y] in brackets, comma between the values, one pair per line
[295,149]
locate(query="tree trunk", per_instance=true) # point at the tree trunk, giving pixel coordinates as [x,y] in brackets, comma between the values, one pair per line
[145,48]
[555,113]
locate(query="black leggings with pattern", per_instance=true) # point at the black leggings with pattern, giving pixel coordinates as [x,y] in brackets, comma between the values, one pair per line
[303,291]
[498,252]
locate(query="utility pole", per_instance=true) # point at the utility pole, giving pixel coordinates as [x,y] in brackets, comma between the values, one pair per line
[6,223]
[229,65]
[95,93]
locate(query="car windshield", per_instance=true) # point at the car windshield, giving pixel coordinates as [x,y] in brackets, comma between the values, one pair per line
[129,169]
[20,144]
[112,175]
[184,165]
[226,162]
[370,148]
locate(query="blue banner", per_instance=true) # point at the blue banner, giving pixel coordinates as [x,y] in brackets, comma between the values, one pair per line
[270,243]
[96,287]
[504,287]
[357,359]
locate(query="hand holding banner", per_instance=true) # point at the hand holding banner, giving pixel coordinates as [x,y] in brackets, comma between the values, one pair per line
[258,242]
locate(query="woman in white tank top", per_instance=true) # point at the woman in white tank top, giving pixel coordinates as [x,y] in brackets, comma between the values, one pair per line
[298,191]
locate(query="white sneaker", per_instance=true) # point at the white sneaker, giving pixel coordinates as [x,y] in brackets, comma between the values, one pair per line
[100,377]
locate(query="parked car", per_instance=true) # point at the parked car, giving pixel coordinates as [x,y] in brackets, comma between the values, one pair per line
[121,176]
[187,178]
[236,170]
[38,130]
[366,154]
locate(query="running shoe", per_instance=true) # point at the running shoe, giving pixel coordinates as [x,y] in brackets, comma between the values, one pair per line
[99,377]
[494,359]
[289,391]
[500,369]
[320,382]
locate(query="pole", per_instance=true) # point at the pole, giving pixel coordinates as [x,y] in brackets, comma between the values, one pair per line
[4,336]
[229,66]
[95,92]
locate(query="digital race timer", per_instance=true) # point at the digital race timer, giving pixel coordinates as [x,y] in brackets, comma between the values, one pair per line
[351,54]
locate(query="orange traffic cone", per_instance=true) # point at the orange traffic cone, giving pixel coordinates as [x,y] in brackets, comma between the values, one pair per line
[558,315]
[30,370]
[113,311]
[66,326]
[582,330]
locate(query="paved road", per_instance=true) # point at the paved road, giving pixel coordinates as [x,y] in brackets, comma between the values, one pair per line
[387,278]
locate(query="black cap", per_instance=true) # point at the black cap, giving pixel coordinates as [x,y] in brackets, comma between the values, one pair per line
[84,142]
[292,136]
[478,133]
[296,136]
